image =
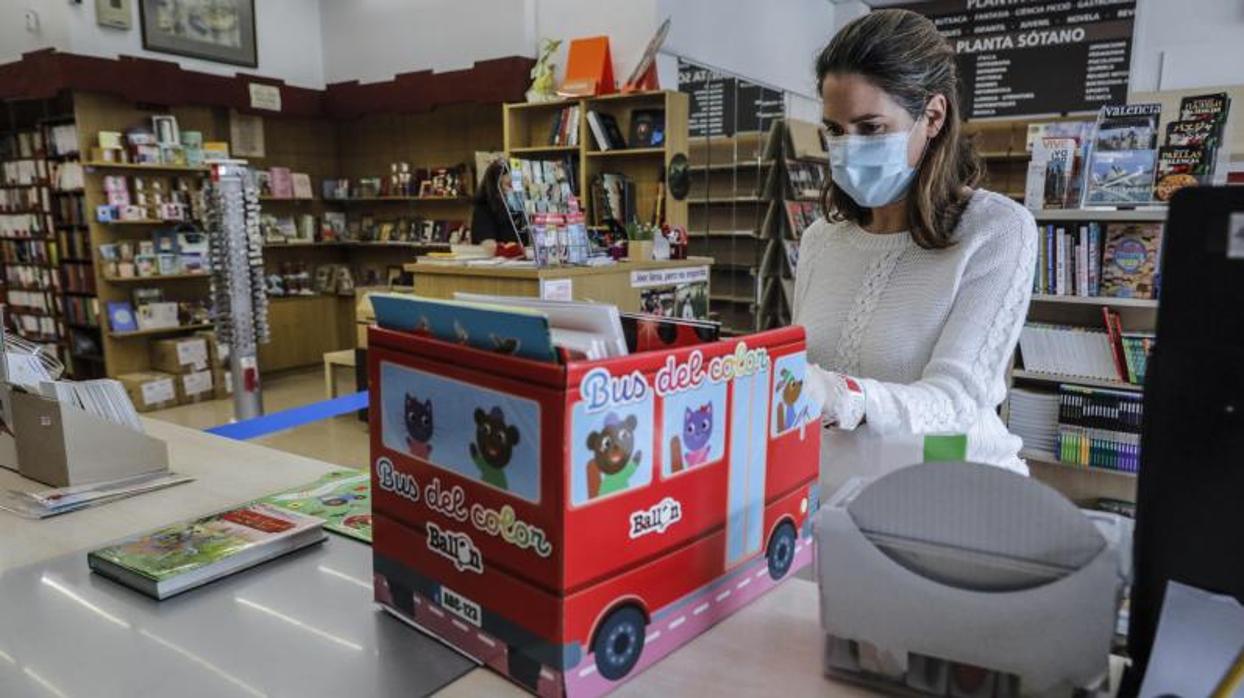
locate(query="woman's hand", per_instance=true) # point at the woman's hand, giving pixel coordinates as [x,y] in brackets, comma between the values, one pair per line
[839,398]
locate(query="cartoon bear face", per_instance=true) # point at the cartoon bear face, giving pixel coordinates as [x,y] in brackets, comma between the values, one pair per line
[790,394]
[418,418]
[494,439]
[613,444]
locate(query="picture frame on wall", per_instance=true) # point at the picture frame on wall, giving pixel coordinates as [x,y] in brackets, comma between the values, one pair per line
[216,30]
[114,13]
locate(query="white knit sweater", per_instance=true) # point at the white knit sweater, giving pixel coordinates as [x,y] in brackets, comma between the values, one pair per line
[929,333]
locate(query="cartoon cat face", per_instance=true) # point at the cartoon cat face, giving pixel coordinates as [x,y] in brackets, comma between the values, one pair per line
[418,418]
[697,427]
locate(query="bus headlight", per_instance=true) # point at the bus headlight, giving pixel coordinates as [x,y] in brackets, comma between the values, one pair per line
[803,505]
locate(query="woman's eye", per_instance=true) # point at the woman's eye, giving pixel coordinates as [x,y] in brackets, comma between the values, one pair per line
[869,129]
[833,129]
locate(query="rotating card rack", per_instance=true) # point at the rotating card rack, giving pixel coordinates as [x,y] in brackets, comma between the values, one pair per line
[238,297]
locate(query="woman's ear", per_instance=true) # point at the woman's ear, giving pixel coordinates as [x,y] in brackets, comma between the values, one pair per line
[935,115]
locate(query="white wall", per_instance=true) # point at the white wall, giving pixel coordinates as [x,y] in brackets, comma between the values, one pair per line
[371,40]
[288,38]
[1187,43]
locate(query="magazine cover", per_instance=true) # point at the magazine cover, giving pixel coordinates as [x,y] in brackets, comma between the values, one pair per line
[1211,106]
[191,545]
[1195,132]
[342,498]
[1124,156]
[1179,167]
[1130,259]
[1060,172]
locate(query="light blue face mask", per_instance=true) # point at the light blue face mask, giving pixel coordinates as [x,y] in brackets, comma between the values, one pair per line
[872,170]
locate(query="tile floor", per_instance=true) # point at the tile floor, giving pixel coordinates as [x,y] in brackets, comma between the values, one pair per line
[340,440]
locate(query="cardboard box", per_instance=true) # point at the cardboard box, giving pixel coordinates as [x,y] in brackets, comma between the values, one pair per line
[222,382]
[217,353]
[181,355]
[552,521]
[195,387]
[150,390]
[157,316]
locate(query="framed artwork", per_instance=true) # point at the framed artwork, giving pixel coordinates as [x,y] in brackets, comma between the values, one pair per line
[216,30]
[113,13]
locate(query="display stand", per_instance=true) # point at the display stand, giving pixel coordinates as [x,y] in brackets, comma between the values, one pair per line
[552,521]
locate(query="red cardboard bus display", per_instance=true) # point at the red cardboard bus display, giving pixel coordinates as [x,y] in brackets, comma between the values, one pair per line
[569,525]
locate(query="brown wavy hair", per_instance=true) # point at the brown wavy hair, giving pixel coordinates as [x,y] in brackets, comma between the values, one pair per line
[902,53]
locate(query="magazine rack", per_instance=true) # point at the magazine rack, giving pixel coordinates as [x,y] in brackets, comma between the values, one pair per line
[64,446]
[570,524]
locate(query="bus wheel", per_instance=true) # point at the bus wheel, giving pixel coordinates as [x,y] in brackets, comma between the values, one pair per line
[781,552]
[619,642]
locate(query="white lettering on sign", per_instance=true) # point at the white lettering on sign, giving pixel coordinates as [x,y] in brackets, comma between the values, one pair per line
[461,606]
[390,479]
[600,389]
[265,96]
[668,277]
[656,518]
[456,547]
[450,502]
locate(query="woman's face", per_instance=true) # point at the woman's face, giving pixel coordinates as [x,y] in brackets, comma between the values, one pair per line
[504,181]
[855,106]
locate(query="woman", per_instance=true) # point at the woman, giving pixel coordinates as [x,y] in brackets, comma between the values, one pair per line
[914,290]
[490,220]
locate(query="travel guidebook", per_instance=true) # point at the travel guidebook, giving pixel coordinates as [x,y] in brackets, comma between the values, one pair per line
[1130,260]
[1124,156]
[341,498]
[1191,155]
[186,555]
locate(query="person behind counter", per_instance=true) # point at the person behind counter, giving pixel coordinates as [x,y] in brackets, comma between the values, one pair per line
[914,286]
[490,219]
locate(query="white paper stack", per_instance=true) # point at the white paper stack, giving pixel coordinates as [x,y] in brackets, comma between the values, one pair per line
[1034,418]
[103,398]
[1071,351]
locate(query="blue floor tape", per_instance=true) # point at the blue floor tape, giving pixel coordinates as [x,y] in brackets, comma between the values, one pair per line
[294,417]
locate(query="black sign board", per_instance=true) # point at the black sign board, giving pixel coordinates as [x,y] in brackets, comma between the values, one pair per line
[1019,57]
[722,105]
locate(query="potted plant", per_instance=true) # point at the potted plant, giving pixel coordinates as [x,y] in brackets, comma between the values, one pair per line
[639,241]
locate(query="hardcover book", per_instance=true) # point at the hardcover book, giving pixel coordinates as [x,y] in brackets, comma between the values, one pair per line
[341,498]
[189,554]
[1124,156]
[1129,260]
[505,330]
[121,317]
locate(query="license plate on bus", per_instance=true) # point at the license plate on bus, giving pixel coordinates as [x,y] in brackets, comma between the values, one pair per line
[461,606]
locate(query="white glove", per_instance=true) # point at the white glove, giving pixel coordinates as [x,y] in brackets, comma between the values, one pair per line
[840,398]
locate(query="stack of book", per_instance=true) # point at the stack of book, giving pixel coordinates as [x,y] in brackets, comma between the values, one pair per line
[1099,428]
[1124,156]
[613,199]
[1034,418]
[565,129]
[1191,155]
[1086,260]
[1112,355]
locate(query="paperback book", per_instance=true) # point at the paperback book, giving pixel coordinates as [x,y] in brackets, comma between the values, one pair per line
[1130,260]
[1124,156]
[1061,171]
[186,555]
[342,499]
[1181,166]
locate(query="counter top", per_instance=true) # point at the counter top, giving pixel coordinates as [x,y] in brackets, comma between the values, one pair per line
[553,272]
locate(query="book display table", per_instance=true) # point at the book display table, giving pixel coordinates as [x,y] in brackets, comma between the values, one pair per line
[623,284]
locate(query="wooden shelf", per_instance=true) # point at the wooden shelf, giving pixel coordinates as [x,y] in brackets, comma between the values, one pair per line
[350,243]
[544,149]
[1006,155]
[1104,215]
[731,166]
[737,300]
[723,234]
[1057,378]
[158,277]
[162,330]
[712,201]
[142,221]
[1046,458]
[141,167]
[1146,303]
[288,199]
[625,152]
[379,199]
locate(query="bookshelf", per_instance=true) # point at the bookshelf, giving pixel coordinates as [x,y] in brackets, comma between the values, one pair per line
[529,127]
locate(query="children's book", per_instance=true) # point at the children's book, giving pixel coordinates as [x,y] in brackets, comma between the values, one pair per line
[341,498]
[121,317]
[506,330]
[1129,260]
[646,332]
[1124,156]
[192,553]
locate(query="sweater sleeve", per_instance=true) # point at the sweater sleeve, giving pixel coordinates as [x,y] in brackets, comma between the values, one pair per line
[966,371]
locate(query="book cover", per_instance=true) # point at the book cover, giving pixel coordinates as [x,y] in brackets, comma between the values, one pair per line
[301,183]
[121,317]
[281,182]
[1179,167]
[645,332]
[1129,260]
[341,498]
[1212,106]
[191,546]
[505,330]
[1193,132]
[1060,171]
[1124,155]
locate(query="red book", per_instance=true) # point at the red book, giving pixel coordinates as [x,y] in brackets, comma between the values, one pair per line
[1114,331]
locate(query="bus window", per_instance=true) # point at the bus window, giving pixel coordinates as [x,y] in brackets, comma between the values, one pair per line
[791,407]
[695,422]
[610,450]
[481,434]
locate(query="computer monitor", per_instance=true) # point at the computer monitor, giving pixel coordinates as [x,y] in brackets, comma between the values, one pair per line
[1190,496]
